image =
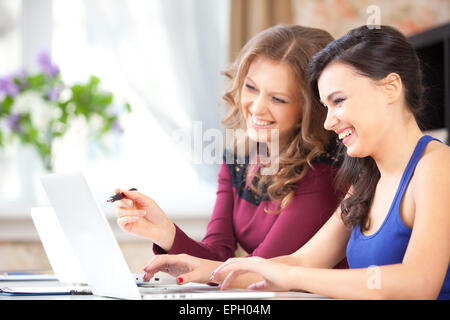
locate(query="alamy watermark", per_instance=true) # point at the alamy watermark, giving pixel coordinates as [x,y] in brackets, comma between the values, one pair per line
[208,146]
[373,282]
[374,19]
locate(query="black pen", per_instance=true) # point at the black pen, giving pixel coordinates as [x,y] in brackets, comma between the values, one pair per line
[119,196]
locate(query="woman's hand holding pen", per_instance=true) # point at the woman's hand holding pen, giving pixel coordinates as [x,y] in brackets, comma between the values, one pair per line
[140,215]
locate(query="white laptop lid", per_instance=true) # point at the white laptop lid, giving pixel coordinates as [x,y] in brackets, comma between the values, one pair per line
[58,249]
[98,253]
[90,236]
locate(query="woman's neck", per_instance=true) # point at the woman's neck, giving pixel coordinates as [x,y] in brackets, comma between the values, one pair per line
[397,147]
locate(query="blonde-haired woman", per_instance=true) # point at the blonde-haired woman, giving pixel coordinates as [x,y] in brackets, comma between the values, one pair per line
[267,214]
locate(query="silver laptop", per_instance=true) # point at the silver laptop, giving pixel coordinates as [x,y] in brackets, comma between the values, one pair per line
[98,253]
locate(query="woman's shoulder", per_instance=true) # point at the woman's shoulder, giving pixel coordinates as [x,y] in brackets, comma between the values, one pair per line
[430,186]
[322,170]
[436,155]
[434,165]
[319,178]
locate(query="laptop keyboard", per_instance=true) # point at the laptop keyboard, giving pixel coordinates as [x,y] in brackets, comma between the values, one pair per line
[163,280]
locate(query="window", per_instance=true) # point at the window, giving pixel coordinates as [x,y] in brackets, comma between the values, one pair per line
[126,44]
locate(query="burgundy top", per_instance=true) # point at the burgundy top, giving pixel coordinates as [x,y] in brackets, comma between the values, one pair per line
[239,216]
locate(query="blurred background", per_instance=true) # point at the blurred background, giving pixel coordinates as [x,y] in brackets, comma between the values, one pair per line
[152,70]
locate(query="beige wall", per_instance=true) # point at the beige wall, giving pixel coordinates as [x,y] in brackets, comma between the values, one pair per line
[338,16]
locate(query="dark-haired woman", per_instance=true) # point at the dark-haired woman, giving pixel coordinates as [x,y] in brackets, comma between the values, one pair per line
[394,223]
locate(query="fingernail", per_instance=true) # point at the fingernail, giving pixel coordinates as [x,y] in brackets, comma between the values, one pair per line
[212,284]
[179,280]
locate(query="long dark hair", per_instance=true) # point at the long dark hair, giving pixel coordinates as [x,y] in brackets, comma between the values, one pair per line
[374,53]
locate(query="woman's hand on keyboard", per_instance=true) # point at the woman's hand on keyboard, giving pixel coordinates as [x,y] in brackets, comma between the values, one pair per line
[184,267]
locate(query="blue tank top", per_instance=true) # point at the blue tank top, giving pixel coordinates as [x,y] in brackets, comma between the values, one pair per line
[388,245]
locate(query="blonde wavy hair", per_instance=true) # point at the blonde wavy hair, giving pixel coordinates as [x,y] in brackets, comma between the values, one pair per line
[294,45]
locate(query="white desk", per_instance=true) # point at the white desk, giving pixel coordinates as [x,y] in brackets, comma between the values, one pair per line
[281,296]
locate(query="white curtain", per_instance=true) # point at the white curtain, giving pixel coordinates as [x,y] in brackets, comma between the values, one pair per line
[171,53]
[163,56]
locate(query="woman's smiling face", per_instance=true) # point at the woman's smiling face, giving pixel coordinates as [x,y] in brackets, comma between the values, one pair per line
[270,100]
[356,108]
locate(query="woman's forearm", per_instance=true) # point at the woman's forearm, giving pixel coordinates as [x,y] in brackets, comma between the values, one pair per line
[243,281]
[287,259]
[386,282]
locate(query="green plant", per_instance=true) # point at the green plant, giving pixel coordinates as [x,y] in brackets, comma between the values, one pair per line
[38,108]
